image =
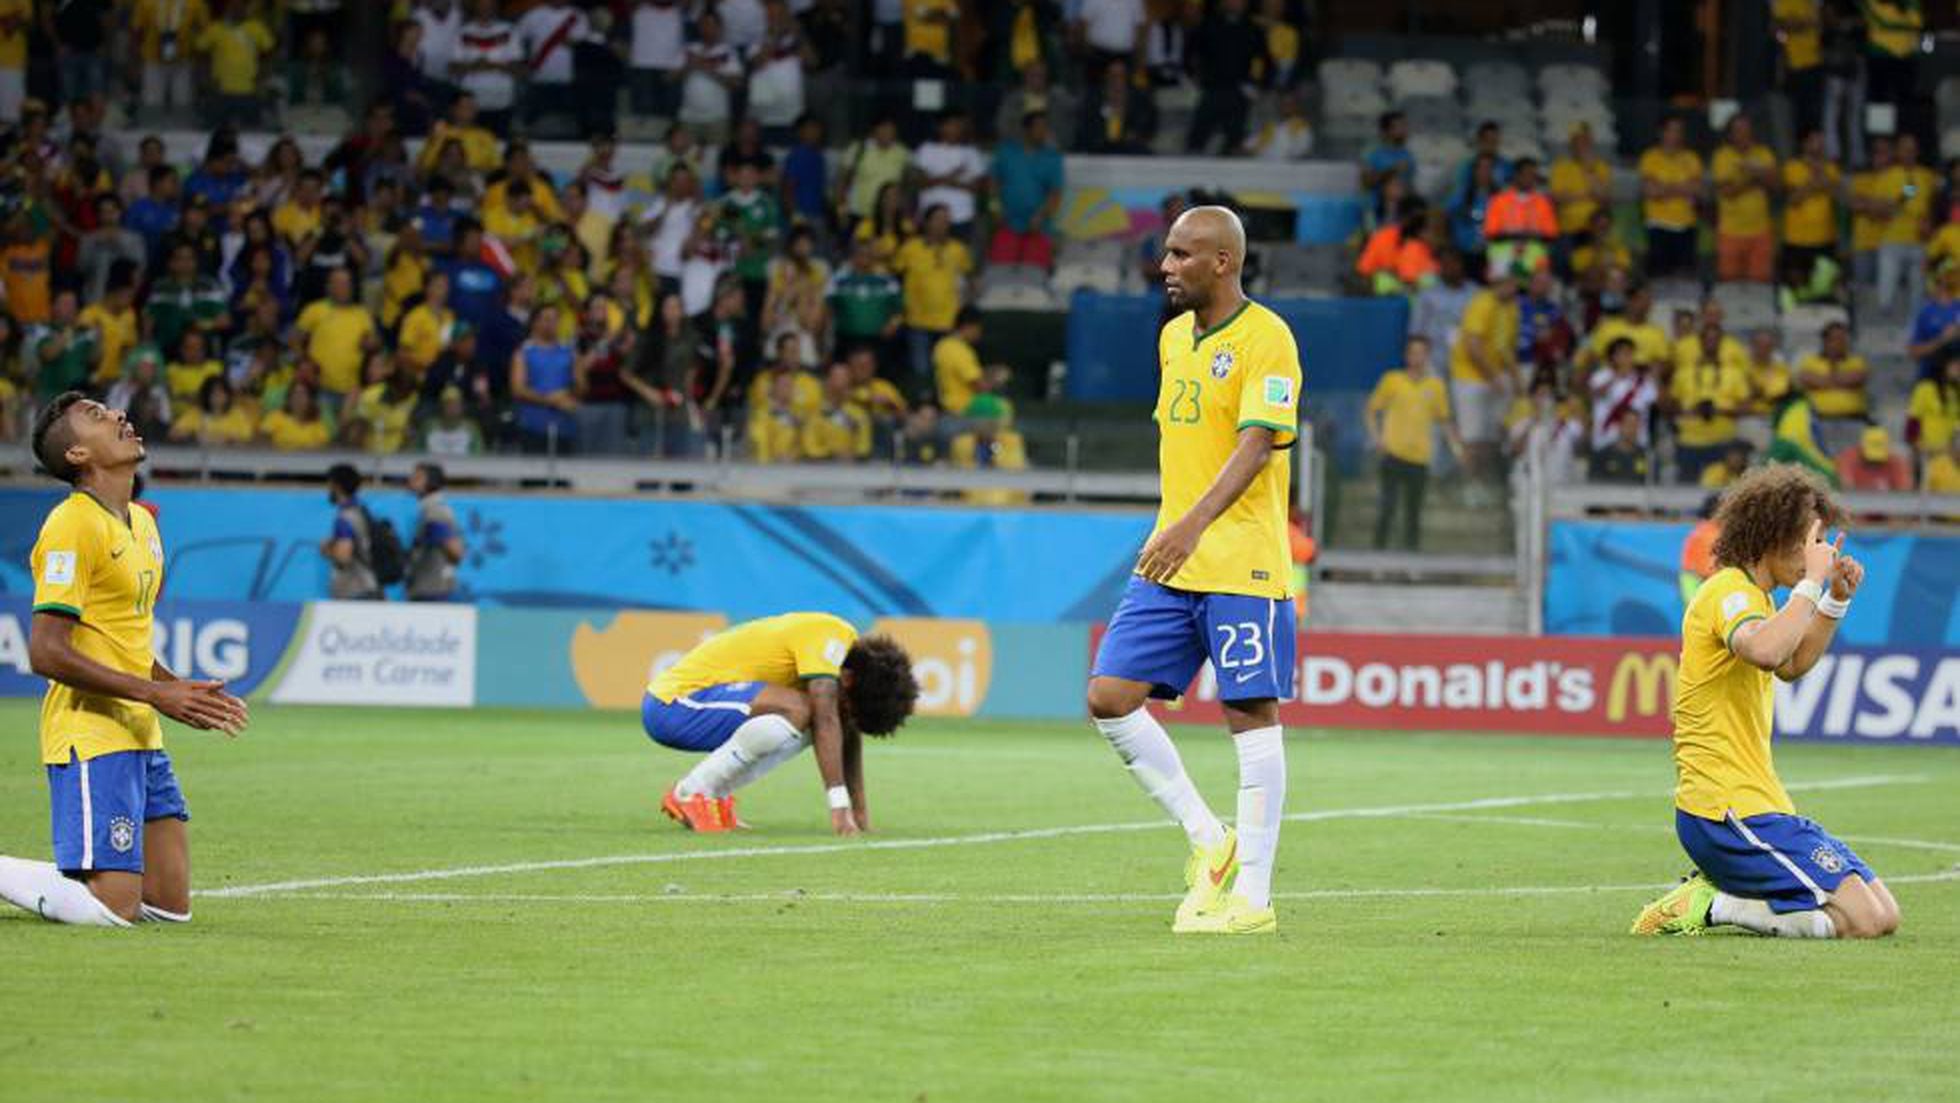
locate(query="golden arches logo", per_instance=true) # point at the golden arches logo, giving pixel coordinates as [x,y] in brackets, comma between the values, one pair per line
[1650,679]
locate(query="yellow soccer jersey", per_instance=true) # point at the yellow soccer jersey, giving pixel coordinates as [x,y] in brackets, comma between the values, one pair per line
[91,566]
[786,650]
[1242,373]
[1722,705]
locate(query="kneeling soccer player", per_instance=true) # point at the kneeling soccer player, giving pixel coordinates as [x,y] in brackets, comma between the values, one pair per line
[756,694]
[121,842]
[1759,865]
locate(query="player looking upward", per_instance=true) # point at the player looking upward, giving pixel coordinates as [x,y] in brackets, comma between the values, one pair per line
[121,847]
[1759,865]
[1214,579]
[754,696]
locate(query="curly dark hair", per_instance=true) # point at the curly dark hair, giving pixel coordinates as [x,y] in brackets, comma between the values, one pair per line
[53,436]
[883,690]
[1768,510]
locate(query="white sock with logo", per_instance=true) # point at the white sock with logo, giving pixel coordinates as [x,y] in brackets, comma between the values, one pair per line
[1262,804]
[760,745]
[1147,750]
[40,888]
[1756,915]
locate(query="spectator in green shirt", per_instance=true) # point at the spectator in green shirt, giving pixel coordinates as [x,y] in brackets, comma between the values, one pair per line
[866,306]
[64,352]
[753,219]
[183,299]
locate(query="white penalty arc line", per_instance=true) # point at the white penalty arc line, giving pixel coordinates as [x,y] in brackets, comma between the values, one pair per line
[983,838]
[796,897]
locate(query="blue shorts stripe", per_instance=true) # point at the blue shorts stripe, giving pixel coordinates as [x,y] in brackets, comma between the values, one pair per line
[698,721]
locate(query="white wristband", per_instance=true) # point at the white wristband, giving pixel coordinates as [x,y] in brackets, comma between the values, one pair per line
[1833,608]
[839,797]
[1811,589]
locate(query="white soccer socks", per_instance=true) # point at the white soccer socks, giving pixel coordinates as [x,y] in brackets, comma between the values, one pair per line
[1755,915]
[1262,804]
[40,888]
[760,745]
[1146,749]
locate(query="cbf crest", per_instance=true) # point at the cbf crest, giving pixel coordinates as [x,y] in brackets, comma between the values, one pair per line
[1827,859]
[1221,363]
[122,834]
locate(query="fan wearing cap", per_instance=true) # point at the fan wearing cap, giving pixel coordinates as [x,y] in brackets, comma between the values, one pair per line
[1873,464]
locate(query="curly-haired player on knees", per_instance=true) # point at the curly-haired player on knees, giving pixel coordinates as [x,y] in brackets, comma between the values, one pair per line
[755,695]
[121,846]
[1759,865]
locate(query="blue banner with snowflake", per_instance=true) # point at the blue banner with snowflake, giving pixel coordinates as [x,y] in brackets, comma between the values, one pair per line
[739,559]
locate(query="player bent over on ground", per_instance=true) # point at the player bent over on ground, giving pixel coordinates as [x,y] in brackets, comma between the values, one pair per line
[1214,580]
[756,694]
[121,847]
[1759,865]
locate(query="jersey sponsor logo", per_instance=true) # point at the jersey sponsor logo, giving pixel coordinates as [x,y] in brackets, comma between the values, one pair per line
[1827,859]
[122,834]
[1279,391]
[1221,363]
[1734,605]
[58,568]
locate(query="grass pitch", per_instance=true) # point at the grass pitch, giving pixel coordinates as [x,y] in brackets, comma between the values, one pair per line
[487,906]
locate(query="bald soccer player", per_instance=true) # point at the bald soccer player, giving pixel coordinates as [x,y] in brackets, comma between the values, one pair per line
[1214,580]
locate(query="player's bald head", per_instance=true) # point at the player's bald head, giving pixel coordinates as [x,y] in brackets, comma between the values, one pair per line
[1214,229]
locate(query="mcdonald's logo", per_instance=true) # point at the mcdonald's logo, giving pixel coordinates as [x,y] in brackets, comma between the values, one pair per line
[1645,676]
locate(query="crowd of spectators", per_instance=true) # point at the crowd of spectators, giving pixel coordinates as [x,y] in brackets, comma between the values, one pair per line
[1539,288]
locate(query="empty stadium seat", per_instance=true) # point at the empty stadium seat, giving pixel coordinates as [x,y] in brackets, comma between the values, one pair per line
[1748,306]
[1950,142]
[1297,270]
[1014,287]
[1096,265]
[1416,77]
[1497,78]
[1337,72]
[1363,101]
[1568,81]
[1439,150]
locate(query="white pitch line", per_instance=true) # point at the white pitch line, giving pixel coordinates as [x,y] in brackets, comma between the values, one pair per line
[1952,874]
[982,838]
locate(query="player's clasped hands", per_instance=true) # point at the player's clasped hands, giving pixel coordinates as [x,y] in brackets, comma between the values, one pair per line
[201,704]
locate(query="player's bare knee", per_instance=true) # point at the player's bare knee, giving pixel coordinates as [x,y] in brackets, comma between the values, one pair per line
[791,705]
[1109,699]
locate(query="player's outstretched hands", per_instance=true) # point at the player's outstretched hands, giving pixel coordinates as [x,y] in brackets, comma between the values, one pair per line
[843,822]
[1819,556]
[200,704]
[1846,576]
[1165,553]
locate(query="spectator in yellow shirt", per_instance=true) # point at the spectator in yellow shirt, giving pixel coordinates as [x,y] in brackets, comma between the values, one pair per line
[1745,176]
[1872,207]
[117,329]
[167,33]
[377,420]
[932,270]
[429,326]
[481,150]
[1908,188]
[1734,461]
[956,370]
[236,45]
[1582,186]
[1483,374]
[191,367]
[1670,187]
[839,430]
[1810,185]
[988,443]
[1708,391]
[1934,411]
[1943,473]
[805,394]
[214,420]
[1769,376]
[337,335]
[775,424]
[297,426]
[1407,407]
[301,216]
[1834,380]
[1799,27]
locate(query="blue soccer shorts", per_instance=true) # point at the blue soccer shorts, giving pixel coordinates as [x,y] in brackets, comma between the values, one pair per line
[1789,861]
[1163,636]
[699,721]
[98,808]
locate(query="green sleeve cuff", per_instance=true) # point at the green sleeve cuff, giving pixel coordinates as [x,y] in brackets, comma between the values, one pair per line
[58,607]
[1273,425]
[1729,640]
